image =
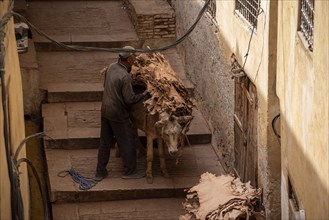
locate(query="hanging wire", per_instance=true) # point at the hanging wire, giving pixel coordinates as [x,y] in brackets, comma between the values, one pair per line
[260,11]
[41,190]
[116,50]
[277,135]
[17,211]
[17,208]
[34,170]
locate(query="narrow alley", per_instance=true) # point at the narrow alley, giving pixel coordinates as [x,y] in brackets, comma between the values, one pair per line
[71,115]
[257,146]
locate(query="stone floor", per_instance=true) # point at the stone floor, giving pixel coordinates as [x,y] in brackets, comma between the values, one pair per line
[142,209]
[184,173]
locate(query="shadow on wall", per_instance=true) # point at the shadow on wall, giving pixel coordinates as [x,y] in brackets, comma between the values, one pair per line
[302,188]
[208,69]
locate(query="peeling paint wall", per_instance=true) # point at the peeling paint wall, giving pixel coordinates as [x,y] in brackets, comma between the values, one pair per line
[303,88]
[16,120]
[207,51]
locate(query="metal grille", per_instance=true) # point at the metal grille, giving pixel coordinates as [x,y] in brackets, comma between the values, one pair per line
[249,9]
[307,21]
[212,8]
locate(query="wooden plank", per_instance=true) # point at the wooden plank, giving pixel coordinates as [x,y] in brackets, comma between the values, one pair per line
[247,94]
[245,130]
[238,122]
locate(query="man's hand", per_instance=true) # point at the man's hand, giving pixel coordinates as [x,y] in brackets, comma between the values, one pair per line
[103,71]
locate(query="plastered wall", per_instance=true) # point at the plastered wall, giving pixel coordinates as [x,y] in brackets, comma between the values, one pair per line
[303,90]
[16,120]
[206,63]
[207,52]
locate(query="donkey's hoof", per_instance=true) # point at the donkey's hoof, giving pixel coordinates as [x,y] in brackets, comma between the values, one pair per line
[149,179]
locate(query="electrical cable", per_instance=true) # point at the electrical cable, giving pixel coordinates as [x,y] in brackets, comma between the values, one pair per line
[274,128]
[19,148]
[15,195]
[34,170]
[247,54]
[38,179]
[252,33]
[115,50]
[17,209]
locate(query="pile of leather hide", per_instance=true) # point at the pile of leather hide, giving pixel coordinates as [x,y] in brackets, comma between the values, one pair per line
[222,197]
[167,91]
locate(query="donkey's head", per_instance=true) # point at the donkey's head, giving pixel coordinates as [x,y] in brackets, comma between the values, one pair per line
[172,129]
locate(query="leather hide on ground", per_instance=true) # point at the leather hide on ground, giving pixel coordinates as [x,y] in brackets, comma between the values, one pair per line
[222,197]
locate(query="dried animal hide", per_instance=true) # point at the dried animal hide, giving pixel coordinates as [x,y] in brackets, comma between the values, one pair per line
[222,197]
[167,91]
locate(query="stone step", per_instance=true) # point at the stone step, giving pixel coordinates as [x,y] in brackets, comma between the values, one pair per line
[142,209]
[74,76]
[184,173]
[85,23]
[76,125]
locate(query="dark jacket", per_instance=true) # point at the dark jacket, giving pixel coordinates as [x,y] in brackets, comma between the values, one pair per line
[118,93]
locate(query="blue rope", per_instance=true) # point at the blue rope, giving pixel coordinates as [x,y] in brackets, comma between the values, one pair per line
[84,182]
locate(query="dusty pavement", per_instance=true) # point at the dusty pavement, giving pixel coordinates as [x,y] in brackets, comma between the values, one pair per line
[71,116]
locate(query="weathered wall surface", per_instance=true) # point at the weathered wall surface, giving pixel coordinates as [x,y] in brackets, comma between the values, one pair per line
[206,64]
[303,88]
[32,95]
[261,69]
[15,120]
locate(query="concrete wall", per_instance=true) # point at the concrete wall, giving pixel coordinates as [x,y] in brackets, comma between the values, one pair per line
[303,89]
[206,63]
[207,52]
[15,119]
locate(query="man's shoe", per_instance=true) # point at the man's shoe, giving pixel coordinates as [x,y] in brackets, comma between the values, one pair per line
[100,177]
[135,175]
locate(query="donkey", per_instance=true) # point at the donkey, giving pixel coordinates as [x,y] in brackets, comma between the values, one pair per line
[168,129]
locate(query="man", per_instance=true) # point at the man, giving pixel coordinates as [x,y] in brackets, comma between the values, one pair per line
[115,122]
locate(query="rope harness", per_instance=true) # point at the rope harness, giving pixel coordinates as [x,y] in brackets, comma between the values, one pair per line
[85,183]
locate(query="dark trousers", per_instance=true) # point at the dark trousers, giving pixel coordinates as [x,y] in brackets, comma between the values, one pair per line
[124,134]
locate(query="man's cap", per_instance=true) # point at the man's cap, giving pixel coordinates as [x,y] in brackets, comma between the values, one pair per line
[127,53]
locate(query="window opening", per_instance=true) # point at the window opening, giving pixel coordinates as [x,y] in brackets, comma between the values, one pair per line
[307,21]
[249,9]
[212,8]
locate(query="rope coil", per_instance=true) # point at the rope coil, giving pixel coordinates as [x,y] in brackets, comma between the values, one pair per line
[85,183]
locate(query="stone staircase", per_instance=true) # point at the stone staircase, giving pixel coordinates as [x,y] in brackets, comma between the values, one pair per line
[71,117]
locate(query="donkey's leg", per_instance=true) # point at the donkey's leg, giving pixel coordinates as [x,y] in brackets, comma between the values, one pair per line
[162,158]
[149,159]
[141,151]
